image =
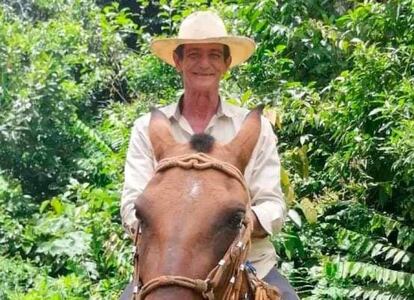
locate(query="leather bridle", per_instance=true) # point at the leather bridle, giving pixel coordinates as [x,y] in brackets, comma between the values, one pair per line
[230,268]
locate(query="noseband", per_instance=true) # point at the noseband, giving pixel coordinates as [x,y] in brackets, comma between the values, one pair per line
[230,268]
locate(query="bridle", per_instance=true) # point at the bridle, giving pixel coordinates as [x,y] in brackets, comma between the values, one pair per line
[230,268]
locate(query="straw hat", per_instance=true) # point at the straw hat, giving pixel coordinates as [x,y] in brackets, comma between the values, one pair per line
[204,27]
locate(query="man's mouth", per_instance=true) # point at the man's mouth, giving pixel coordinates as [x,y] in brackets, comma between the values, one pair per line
[203,74]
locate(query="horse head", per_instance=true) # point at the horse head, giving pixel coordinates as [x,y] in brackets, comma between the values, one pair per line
[189,217]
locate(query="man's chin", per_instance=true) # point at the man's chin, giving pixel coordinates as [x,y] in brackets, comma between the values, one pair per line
[203,85]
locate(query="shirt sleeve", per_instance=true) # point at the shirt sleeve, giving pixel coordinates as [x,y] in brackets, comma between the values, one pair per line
[263,178]
[139,168]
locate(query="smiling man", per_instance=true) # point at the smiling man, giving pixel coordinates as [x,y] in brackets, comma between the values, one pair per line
[202,53]
[201,67]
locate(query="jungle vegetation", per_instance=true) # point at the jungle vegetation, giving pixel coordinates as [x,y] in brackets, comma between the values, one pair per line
[337,79]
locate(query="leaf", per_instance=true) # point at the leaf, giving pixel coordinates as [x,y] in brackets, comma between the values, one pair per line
[346,268]
[389,226]
[72,244]
[44,205]
[365,246]
[391,253]
[401,279]
[398,257]
[284,177]
[356,41]
[279,48]
[355,269]
[57,206]
[295,217]
[288,189]
[373,295]
[291,244]
[245,97]
[375,111]
[392,278]
[330,269]
[386,275]
[309,210]
[406,259]
[377,250]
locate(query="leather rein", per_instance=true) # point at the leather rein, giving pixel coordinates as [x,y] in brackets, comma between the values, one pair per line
[230,268]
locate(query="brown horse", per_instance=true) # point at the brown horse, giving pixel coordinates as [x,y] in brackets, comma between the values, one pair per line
[192,212]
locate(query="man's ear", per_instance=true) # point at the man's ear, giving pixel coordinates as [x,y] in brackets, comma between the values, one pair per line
[228,62]
[177,62]
[160,134]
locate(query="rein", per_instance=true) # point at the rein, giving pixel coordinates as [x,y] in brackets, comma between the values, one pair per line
[231,268]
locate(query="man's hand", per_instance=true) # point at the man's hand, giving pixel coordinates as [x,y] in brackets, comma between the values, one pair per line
[258,230]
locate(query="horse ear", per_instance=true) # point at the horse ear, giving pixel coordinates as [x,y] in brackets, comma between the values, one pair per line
[160,134]
[244,142]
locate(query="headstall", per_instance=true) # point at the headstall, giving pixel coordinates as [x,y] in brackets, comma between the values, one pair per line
[230,268]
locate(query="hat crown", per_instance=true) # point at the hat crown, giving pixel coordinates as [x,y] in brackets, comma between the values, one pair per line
[202,25]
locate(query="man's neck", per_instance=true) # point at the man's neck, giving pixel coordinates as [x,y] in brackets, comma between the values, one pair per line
[198,109]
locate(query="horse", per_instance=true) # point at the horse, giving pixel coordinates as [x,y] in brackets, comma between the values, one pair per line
[195,220]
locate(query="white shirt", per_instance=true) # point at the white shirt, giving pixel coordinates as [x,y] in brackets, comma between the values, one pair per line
[262,173]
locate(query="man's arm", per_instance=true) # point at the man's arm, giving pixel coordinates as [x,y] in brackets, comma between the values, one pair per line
[263,180]
[139,168]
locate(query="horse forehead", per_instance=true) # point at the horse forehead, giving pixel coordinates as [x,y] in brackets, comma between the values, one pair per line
[194,188]
[183,187]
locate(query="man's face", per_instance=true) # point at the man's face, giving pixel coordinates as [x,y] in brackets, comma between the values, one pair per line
[202,66]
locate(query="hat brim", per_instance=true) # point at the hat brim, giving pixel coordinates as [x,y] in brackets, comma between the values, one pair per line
[241,48]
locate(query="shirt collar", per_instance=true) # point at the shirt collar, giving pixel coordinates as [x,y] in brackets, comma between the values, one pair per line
[173,110]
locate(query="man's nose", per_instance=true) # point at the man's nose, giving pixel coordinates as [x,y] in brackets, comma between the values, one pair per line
[204,61]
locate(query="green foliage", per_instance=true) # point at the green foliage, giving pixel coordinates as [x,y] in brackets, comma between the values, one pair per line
[56,75]
[360,245]
[337,80]
[16,275]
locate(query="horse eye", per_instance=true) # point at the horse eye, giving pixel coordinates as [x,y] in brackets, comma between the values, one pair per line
[235,221]
[140,216]
[137,213]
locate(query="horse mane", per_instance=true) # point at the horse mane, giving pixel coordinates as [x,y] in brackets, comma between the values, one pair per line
[202,142]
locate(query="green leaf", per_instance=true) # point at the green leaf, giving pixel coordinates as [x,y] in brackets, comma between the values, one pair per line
[355,269]
[44,205]
[398,257]
[377,250]
[375,111]
[245,97]
[392,277]
[391,253]
[57,206]
[280,48]
[309,210]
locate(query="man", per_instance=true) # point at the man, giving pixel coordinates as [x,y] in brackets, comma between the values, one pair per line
[202,53]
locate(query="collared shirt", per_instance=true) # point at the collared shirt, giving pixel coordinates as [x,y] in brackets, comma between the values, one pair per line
[262,173]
